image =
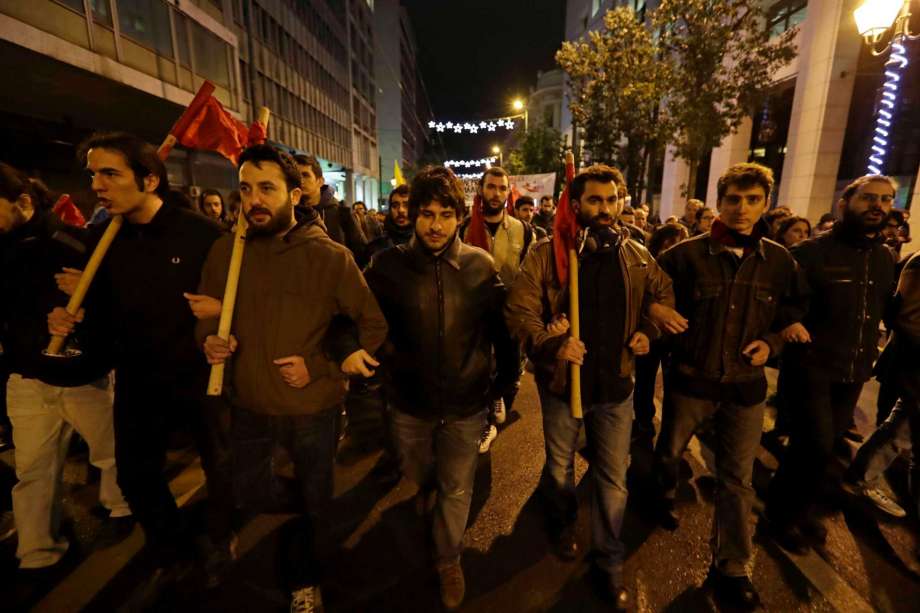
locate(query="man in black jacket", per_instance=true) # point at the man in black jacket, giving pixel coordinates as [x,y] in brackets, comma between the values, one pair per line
[851,280]
[143,290]
[340,223]
[443,302]
[735,288]
[34,245]
[397,228]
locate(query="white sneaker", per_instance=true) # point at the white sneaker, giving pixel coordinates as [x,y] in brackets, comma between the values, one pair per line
[7,525]
[498,411]
[306,600]
[488,435]
[883,502]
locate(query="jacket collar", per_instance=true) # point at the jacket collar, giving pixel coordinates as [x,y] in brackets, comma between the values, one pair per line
[422,256]
[715,247]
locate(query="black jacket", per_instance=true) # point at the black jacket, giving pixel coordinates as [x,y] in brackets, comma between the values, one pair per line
[31,256]
[730,303]
[850,283]
[140,286]
[392,236]
[542,220]
[340,224]
[445,318]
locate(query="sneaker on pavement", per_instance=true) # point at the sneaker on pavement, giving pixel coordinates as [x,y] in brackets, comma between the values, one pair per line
[453,585]
[883,502]
[306,600]
[498,411]
[7,525]
[488,435]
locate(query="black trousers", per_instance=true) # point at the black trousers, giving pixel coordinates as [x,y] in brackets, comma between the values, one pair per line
[147,410]
[820,412]
[644,391]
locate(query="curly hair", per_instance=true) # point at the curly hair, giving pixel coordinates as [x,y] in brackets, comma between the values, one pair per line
[436,183]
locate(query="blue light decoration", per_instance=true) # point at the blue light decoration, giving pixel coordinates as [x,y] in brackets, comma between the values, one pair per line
[894,67]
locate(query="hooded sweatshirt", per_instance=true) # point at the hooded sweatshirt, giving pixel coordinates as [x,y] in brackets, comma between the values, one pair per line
[290,288]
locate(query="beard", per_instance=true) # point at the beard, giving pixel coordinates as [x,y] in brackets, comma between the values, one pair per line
[492,207]
[595,222]
[864,221]
[279,222]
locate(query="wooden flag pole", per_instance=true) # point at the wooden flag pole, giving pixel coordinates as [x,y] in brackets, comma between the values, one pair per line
[574,323]
[216,380]
[86,277]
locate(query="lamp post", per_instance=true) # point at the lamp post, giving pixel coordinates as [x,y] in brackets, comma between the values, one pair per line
[875,19]
[519,105]
[498,151]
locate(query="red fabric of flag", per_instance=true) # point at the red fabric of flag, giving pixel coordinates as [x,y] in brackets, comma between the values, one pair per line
[68,211]
[476,233]
[214,129]
[565,228]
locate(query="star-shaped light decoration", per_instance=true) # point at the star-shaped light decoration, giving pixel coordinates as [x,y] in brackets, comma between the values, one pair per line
[432,124]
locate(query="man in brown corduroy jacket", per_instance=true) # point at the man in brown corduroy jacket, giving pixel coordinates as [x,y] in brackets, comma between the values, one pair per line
[284,390]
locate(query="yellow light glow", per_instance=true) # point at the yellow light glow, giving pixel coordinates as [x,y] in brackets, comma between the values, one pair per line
[518,104]
[496,149]
[873,17]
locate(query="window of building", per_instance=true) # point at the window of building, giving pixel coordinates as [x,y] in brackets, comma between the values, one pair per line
[786,14]
[102,12]
[181,24]
[76,5]
[210,56]
[146,22]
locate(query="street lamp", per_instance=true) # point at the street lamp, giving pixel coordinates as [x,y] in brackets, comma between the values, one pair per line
[498,151]
[874,19]
[521,107]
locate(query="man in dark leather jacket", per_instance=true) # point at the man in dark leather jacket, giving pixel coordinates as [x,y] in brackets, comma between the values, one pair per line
[443,302]
[851,280]
[735,287]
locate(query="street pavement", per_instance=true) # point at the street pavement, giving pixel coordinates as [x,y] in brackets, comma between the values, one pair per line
[378,548]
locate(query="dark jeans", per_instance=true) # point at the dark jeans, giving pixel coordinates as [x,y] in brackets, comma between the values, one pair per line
[146,412]
[644,391]
[737,430]
[309,441]
[608,427]
[442,454]
[899,432]
[821,411]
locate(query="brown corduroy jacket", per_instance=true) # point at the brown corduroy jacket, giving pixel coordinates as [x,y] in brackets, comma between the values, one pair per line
[289,290]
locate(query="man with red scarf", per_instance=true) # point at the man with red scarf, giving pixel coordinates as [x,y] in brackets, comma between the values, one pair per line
[738,291]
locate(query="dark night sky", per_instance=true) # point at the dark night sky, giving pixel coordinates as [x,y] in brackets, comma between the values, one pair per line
[475,56]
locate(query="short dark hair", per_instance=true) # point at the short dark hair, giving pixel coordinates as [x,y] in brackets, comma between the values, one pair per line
[495,171]
[662,235]
[211,192]
[140,155]
[827,217]
[522,200]
[851,189]
[257,154]
[545,197]
[312,162]
[746,175]
[702,211]
[628,210]
[356,203]
[399,190]
[436,183]
[14,183]
[774,214]
[788,223]
[601,173]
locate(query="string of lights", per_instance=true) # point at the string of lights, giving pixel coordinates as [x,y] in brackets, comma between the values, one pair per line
[471,163]
[897,61]
[473,127]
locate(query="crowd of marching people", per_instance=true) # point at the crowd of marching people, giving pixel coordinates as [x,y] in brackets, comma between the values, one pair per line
[435,310]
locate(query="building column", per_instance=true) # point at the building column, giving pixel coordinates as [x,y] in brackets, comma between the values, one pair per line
[914,222]
[828,60]
[734,149]
[349,186]
[673,183]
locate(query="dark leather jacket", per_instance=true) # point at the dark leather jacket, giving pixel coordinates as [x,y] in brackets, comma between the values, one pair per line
[445,318]
[730,302]
[850,283]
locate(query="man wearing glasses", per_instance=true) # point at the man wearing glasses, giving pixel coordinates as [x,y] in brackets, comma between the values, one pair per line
[850,277]
[735,288]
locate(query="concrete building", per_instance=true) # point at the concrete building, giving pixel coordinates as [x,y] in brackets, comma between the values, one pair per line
[545,101]
[402,101]
[815,130]
[82,65]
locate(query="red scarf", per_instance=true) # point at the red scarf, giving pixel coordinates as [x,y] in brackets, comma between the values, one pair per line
[724,235]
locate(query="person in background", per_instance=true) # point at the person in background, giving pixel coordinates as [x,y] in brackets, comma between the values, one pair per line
[367,223]
[792,231]
[689,218]
[825,224]
[211,204]
[546,215]
[523,210]
[704,218]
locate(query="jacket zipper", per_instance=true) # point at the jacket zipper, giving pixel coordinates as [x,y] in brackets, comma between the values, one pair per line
[627,294]
[440,286]
[862,316]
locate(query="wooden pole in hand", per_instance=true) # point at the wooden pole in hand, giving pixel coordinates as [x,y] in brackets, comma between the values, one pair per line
[216,380]
[574,325]
[86,277]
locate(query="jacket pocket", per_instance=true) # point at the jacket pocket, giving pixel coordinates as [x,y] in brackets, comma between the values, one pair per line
[765,305]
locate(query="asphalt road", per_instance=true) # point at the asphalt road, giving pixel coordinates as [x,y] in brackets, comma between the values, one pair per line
[377,548]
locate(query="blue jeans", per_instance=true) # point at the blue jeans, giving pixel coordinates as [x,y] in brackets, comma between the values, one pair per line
[608,428]
[309,440]
[442,453]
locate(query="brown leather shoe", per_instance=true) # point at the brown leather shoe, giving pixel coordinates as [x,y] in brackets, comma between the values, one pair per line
[453,586]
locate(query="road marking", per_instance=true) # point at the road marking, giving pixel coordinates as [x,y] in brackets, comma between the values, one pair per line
[826,580]
[78,588]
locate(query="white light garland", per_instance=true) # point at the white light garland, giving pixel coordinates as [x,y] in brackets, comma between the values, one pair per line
[472,127]
[469,175]
[471,163]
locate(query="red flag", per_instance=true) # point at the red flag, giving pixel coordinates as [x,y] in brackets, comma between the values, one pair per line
[513,195]
[476,233]
[565,227]
[215,129]
[68,211]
